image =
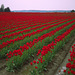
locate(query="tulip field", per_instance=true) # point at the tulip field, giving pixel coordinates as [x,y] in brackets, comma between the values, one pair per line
[37,37]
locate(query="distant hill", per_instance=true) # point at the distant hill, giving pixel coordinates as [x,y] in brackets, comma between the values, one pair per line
[41,11]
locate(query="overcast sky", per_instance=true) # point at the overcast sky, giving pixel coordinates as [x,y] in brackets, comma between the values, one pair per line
[39,4]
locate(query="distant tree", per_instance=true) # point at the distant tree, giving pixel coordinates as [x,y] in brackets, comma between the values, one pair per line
[7,9]
[72,11]
[2,8]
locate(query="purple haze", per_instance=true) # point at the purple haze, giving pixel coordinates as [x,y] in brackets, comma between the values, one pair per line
[39,4]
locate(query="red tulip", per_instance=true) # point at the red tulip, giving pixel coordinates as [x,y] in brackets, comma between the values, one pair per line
[68,72]
[64,70]
[9,56]
[31,63]
[37,62]
[36,67]
[34,61]
[6,59]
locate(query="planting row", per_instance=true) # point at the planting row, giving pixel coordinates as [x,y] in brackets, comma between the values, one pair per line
[29,34]
[21,43]
[11,20]
[29,28]
[49,51]
[31,43]
[24,55]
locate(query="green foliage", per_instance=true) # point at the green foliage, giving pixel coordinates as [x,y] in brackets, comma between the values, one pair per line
[18,61]
[7,9]
[2,9]
[17,44]
[48,57]
[72,10]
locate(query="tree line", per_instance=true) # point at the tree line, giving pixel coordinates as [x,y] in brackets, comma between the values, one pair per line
[2,9]
[72,10]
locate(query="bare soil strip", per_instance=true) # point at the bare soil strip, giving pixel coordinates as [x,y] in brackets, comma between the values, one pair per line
[2,63]
[62,67]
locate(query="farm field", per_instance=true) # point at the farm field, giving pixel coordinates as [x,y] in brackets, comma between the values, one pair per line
[35,43]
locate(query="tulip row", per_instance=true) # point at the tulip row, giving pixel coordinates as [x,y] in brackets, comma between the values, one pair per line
[49,51]
[18,19]
[13,26]
[31,43]
[22,28]
[4,44]
[71,65]
[8,32]
[30,20]
[18,44]
[25,55]
[24,31]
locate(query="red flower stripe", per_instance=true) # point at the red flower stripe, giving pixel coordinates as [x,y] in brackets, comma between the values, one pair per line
[40,39]
[29,34]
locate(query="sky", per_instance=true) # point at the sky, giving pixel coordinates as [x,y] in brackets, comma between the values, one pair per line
[39,4]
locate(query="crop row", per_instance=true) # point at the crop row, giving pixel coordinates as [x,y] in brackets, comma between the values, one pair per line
[19,60]
[31,43]
[49,51]
[20,43]
[12,20]
[26,30]
[29,34]
[5,23]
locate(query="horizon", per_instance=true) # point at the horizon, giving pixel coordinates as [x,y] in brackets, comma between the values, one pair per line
[46,10]
[39,4]
[41,10]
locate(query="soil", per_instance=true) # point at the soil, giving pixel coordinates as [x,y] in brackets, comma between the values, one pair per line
[2,63]
[52,69]
[62,67]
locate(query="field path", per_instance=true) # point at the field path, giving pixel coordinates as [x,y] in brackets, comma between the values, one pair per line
[62,67]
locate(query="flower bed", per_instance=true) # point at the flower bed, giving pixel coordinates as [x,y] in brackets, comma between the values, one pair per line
[33,35]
